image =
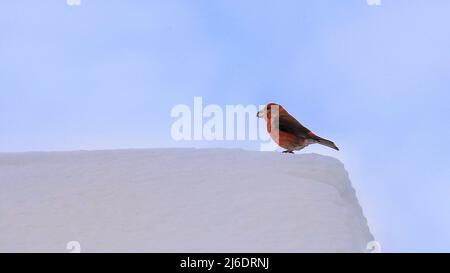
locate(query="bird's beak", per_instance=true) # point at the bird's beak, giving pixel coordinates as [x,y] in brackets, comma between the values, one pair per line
[260,114]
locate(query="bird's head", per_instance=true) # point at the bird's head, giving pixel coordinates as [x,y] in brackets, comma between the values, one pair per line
[270,110]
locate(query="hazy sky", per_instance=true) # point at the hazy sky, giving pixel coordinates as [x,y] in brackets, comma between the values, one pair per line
[375,79]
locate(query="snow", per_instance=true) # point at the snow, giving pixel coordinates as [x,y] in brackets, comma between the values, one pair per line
[178,200]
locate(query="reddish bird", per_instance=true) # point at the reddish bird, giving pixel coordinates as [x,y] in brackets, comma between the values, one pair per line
[287,132]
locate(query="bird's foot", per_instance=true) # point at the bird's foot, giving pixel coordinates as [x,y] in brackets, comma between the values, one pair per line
[288,152]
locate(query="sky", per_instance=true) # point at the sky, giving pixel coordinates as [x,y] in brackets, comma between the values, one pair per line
[374,79]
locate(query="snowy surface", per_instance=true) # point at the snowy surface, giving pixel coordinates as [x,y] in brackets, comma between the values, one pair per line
[182,200]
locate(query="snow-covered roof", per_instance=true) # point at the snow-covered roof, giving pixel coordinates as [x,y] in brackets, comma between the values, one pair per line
[183,200]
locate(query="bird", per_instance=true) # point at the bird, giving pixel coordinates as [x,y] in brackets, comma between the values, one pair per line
[288,132]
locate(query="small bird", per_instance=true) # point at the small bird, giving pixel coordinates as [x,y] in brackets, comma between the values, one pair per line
[287,132]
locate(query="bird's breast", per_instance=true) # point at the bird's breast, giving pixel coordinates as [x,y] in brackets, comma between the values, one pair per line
[286,140]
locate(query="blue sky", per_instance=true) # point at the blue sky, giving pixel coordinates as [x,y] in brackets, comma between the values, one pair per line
[375,79]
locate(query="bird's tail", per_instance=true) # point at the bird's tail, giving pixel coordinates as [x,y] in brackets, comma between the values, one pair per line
[327,143]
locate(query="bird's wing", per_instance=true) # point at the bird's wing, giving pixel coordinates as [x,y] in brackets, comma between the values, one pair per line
[289,124]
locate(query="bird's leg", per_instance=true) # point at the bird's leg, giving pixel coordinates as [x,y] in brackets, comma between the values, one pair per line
[288,152]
